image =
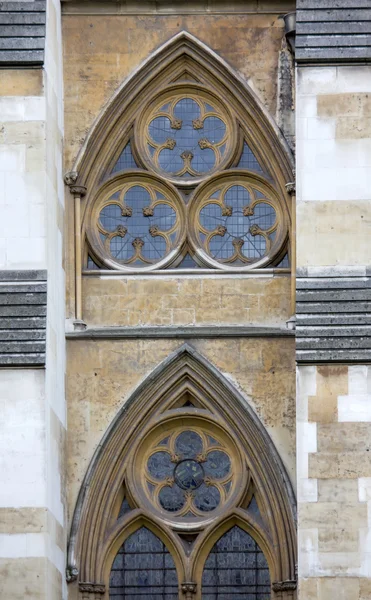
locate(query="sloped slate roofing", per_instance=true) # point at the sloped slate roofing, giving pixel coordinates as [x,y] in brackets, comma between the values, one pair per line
[333,31]
[22,33]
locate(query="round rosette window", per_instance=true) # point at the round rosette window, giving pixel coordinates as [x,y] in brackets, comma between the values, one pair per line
[190,473]
[236,221]
[137,222]
[186,136]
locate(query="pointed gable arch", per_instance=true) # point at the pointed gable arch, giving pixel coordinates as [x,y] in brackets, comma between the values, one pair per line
[187,391]
[182,58]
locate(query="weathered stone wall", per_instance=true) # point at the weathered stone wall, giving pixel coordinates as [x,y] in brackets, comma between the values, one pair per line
[33,423]
[102,375]
[333,401]
[188,300]
[101,49]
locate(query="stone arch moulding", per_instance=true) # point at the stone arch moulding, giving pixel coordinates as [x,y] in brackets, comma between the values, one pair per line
[96,531]
[183,53]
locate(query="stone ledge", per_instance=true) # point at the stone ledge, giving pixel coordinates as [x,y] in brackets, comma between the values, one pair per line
[162,332]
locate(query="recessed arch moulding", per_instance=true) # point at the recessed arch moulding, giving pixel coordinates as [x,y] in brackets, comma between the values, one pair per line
[183,59]
[185,388]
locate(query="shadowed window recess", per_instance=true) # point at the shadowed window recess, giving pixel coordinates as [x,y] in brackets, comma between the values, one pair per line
[143,570]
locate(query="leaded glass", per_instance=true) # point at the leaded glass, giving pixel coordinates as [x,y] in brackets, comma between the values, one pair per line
[218,464]
[186,137]
[160,466]
[143,570]
[237,224]
[188,444]
[249,161]
[138,225]
[236,569]
[171,498]
[189,474]
[207,498]
[125,160]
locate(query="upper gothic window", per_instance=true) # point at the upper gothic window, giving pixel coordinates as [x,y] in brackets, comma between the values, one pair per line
[187,187]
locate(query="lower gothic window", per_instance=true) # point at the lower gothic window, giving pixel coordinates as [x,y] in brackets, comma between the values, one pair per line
[236,569]
[186,499]
[143,570]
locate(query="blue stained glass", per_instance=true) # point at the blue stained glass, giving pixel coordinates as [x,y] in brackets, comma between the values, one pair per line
[285,263]
[188,444]
[236,226]
[160,129]
[125,160]
[188,138]
[189,474]
[249,161]
[137,222]
[143,569]
[110,217]
[264,216]
[236,568]
[125,508]
[218,464]
[207,498]
[159,465]
[214,129]
[171,498]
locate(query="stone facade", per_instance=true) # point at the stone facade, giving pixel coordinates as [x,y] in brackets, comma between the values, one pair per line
[59,399]
[333,199]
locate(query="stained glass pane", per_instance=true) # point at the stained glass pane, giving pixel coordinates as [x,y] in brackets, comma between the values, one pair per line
[143,570]
[237,226]
[189,474]
[218,464]
[207,498]
[125,160]
[236,569]
[159,465]
[185,141]
[249,161]
[171,498]
[188,444]
[137,225]
[125,508]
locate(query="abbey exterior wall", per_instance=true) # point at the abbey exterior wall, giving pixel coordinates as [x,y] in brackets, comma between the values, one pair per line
[333,401]
[100,50]
[33,416]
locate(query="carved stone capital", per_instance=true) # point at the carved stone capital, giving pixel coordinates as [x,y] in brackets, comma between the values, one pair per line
[78,190]
[291,188]
[92,588]
[284,586]
[189,589]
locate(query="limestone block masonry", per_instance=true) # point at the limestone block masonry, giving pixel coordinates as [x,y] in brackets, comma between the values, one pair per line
[333,317]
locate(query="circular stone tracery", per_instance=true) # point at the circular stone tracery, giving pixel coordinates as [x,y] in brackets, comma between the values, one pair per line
[237,222]
[138,222]
[189,473]
[186,134]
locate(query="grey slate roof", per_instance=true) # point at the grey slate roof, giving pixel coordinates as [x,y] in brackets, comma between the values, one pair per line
[22,318]
[333,31]
[22,33]
[333,319]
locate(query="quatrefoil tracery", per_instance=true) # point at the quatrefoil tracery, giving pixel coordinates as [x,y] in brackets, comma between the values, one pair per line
[139,222]
[187,135]
[189,474]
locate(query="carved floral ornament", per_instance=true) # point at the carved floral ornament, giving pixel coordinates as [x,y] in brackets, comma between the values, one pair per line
[189,488]
[181,127]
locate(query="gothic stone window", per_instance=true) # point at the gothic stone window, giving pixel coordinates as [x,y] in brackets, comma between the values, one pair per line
[188,187]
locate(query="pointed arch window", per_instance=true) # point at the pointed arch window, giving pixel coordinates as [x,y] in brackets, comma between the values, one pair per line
[187,172]
[179,504]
